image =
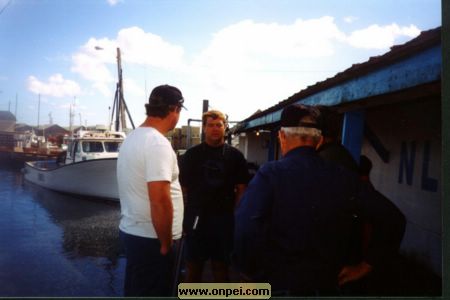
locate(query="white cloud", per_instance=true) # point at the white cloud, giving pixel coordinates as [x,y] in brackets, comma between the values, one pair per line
[381,37]
[113,2]
[248,44]
[98,57]
[133,88]
[91,64]
[144,48]
[245,66]
[250,65]
[350,19]
[103,88]
[91,68]
[56,86]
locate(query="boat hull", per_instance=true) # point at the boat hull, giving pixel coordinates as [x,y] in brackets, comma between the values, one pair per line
[94,178]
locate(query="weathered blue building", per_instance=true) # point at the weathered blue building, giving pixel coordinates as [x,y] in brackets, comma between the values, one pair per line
[391,108]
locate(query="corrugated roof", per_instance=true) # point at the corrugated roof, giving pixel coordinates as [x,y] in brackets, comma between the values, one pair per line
[425,40]
[7,116]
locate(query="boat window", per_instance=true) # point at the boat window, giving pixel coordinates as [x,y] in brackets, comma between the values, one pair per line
[112,146]
[90,147]
[70,148]
[77,147]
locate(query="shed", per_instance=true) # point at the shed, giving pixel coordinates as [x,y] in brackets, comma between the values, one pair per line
[7,121]
[391,108]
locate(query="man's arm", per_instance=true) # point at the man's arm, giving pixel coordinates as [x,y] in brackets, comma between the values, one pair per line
[242,178]
[352,273]
[161,212]
[185,176]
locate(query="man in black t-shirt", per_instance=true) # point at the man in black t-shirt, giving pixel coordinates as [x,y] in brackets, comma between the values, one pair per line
[331,148]
[213,176]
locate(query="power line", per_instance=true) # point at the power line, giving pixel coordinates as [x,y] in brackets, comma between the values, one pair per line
[4,7]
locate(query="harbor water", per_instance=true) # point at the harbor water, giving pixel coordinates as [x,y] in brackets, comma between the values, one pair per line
[56,245]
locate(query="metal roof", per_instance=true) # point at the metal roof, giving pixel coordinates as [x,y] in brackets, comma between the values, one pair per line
[7,116]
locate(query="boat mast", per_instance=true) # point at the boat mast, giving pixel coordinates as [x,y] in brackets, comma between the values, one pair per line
[71,116]
[15,111]
[39,109]
[119,105]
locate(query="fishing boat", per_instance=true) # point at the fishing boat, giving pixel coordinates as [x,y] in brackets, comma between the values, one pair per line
[88,168]
[89,165]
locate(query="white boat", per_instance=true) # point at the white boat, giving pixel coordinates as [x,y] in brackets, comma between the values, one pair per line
[89,167]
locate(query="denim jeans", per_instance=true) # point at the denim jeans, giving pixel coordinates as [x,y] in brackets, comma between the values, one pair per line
[148,273]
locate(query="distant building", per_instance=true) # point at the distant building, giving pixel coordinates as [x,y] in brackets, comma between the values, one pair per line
[7,121]
[22,128]
[52,130]
[53,133]
[184,137]
[7,127]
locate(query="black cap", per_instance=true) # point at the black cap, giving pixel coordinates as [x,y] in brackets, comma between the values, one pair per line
[292,115]
[165,95]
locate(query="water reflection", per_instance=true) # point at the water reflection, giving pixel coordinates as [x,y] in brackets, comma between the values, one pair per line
[58,245]
[90,226]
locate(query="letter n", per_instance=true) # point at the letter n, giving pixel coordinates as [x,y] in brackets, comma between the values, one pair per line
[407,162]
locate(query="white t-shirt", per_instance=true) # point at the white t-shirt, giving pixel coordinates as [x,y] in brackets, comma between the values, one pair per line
[146,155]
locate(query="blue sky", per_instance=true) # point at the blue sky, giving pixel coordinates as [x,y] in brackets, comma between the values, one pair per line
[241,55]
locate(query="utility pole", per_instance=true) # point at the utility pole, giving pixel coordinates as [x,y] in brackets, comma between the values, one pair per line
[121,100]
[39,109]
[109,118]
[205,109]
[15,111]
[71,115]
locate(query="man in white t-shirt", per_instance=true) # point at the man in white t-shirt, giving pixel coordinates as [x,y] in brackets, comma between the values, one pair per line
[150,197]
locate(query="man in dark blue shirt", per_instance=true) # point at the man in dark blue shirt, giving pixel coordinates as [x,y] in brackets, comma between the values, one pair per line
[292,226]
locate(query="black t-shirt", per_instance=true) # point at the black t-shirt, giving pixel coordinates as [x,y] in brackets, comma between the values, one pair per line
[210,175]
[338,154]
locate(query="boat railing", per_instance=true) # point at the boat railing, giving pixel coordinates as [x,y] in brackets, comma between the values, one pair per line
[101,134]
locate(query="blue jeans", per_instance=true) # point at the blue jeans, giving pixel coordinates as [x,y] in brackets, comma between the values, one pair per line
[148,273]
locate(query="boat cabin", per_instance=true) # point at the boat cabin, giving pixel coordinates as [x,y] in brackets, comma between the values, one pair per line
[94,145]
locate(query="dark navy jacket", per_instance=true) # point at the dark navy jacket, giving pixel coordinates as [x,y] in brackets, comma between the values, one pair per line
[292,226]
